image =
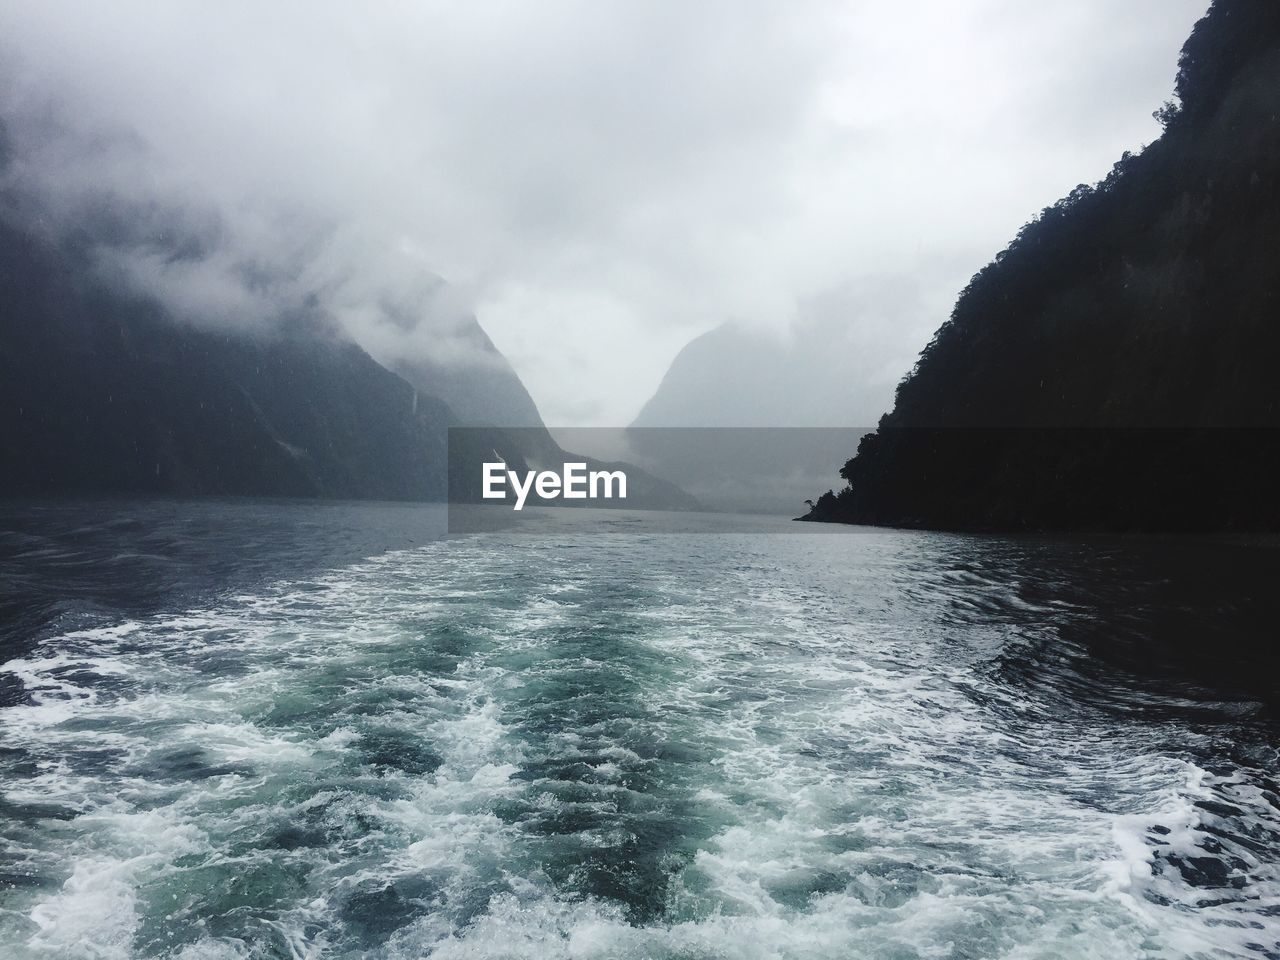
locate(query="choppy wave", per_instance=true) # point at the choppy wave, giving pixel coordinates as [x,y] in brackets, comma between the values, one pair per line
[734,746]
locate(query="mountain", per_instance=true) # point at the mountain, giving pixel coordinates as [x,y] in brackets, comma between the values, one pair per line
[738,376]
[108,392]
[496,412]
[483,388]
[1116,367]
[745,419]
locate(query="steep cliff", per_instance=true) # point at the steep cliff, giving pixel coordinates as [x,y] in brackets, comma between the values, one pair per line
[107,392]
[1116,367]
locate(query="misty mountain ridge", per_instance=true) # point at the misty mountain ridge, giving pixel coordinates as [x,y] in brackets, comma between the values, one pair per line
[746,417]
[481,389]
[144,351]
[144,230]
[827,369]
[105,391]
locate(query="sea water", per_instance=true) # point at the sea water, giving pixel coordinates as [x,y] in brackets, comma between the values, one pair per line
[290,730]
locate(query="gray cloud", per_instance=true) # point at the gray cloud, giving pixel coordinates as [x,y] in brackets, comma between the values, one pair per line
[597,181]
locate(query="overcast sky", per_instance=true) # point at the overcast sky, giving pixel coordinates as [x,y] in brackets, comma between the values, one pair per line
[601,181]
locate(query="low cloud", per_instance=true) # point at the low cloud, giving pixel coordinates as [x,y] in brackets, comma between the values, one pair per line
[597,182]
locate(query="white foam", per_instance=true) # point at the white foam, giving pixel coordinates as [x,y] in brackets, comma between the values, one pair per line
[835,779]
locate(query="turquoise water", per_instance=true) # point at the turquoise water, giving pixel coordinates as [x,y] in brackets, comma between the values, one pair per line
[740,745]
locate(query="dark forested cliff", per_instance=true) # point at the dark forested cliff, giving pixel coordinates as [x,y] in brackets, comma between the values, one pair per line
[1118,365]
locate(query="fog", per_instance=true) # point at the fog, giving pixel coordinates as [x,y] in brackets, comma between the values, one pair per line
[597,182]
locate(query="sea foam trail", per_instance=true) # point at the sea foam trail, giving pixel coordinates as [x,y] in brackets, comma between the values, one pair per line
[732,746]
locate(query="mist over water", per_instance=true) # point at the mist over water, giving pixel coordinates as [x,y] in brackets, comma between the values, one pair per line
[884,744]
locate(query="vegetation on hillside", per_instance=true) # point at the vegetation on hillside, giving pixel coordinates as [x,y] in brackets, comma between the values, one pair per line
[1115,367]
